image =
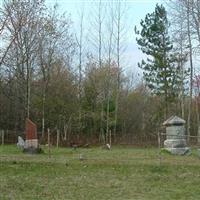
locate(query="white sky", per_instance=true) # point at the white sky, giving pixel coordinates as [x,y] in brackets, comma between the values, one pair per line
[137,10]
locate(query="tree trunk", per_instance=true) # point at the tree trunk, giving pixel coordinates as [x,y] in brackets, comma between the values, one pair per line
[43,112]
[110,44]
[118,67]
[80,44]
[191,71]
[101,125]
[182,74]
[28,89]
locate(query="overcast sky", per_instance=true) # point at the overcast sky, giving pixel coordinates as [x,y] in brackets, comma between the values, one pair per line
[137,9]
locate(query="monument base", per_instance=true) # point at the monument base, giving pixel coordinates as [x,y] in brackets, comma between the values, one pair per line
[175,143]
[32,147]
[32,150]
[179,151]
[31,143]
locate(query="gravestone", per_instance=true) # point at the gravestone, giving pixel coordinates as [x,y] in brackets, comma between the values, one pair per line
[31,143]
[175,142]
[20,143]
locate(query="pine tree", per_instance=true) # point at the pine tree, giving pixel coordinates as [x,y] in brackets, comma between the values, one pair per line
[159,69]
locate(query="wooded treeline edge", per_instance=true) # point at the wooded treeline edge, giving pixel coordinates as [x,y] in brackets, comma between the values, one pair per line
[75,82]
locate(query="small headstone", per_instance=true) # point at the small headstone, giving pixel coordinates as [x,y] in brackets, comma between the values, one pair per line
[81,157]
[108,146]
[20,143]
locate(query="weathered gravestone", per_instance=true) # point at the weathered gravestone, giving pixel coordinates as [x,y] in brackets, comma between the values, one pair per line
[20,143]
[31,143]
[175,141]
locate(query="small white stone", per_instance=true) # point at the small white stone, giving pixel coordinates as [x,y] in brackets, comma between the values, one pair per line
[108,146]
[20,143]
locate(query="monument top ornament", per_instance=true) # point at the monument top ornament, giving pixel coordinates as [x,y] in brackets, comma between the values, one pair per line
[174,120]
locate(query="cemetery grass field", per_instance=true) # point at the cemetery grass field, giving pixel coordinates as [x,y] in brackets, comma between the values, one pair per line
[122,173]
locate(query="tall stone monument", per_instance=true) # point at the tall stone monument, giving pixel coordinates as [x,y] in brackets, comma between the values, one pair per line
[31,143]
[175,141]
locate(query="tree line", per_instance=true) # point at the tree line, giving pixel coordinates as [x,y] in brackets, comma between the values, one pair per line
[74,81]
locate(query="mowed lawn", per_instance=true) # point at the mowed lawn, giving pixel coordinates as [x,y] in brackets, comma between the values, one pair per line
[119,174]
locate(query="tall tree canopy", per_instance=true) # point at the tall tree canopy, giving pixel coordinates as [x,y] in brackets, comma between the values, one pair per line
[160,71]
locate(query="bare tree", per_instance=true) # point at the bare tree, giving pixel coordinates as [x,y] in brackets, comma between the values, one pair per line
[180,43]
[119,38]
[186,20]
[26,16]
[79,40]
[55,30]
[97,41]
[191,67]
[110,47]
[5,22]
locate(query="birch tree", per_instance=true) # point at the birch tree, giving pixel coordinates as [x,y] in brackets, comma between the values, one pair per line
[97,41]
[80,44]
[191,66]
[119,37]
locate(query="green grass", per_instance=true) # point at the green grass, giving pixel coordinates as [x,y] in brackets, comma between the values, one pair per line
[119,174]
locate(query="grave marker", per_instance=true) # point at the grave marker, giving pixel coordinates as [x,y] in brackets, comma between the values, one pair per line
[175,136]
[31,135]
